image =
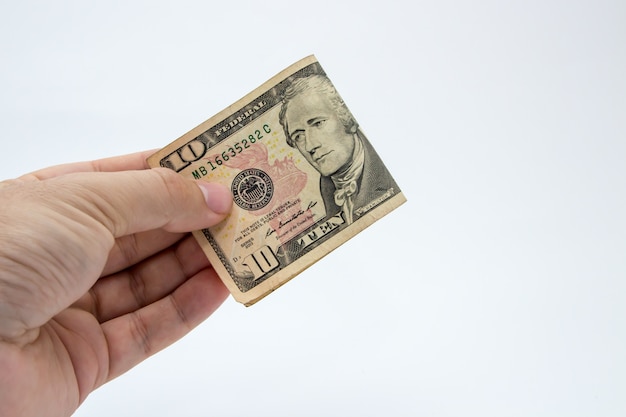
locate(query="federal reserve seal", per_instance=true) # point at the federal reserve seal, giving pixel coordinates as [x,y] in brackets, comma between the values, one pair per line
[252,189]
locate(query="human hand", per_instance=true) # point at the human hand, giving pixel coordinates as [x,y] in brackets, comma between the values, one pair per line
[97,273]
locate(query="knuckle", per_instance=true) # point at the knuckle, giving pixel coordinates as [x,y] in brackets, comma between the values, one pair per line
[138,289]
[170,179]
[177,188]
[129,248]
[180,312]
[179,192]
[140,333]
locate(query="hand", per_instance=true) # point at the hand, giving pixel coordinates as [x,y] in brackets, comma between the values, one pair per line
[97,273]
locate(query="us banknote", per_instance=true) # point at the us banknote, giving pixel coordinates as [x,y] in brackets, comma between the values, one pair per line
[303,175]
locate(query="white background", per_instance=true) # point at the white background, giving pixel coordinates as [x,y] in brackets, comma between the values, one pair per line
[499,288]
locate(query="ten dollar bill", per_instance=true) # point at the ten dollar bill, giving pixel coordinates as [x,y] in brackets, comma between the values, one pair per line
[303,175]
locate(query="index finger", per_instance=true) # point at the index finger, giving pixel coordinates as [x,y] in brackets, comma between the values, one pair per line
[130,162]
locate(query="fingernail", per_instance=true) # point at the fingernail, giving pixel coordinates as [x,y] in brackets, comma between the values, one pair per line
[218,198]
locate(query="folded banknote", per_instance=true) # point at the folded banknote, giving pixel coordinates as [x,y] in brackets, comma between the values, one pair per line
[303,175]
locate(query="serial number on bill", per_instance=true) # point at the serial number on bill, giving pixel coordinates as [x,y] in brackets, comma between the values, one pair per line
[232,151]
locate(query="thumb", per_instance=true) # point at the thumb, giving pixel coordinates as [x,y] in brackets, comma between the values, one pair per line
[128,202]
[58,232]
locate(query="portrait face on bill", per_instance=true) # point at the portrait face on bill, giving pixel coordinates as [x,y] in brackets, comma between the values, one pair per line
[318,124]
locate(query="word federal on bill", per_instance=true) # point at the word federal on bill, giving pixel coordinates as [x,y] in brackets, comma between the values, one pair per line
[304,179]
